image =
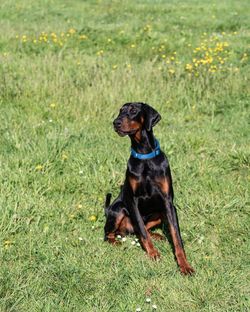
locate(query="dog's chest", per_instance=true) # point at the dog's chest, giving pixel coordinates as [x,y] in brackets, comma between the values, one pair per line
[149,197]
[147,187]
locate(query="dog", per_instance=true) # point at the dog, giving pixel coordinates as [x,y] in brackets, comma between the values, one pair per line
[146,198]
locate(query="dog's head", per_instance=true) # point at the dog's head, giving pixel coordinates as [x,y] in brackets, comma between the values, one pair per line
[134,117]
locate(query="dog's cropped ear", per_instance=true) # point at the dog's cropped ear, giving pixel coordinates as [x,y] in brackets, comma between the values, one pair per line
[151,117]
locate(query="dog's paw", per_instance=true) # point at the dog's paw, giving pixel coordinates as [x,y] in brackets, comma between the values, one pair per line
[187,269]
[154,254]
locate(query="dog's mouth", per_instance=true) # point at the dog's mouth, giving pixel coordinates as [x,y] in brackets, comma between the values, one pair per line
[123,133]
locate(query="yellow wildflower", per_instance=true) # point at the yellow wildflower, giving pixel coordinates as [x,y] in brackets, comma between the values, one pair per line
[100,53]
[72,31]
[64,156]
[92,218]
[189,66]
[39,167]
[83,37]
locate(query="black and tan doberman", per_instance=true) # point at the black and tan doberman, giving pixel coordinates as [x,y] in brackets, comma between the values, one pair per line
[146,198]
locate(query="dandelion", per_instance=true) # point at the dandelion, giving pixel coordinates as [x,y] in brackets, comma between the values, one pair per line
[64,156]
[79,206]
[133,46]
[109,40]
[72,31]
[83,37]
[147,28]
[189,67]
[39,168]
[171,71]
[114,66]
[100,53]
[7,243]
[52,105]
[92,218]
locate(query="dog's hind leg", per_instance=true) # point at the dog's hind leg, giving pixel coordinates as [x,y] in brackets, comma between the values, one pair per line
[113,222]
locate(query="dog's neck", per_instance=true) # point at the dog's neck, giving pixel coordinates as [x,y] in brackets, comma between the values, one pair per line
[143,141]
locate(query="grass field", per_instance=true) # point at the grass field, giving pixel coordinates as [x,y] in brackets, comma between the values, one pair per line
[66,68]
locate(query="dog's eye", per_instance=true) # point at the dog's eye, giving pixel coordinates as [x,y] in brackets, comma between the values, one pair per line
[133,110]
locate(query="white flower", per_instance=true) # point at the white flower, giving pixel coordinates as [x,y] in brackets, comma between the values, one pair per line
[138,244]
[80,238]
[80,172]
[133,242]
[148,300]
[154,306]
[124,239]
[138,309]
[119,236]
[200,240]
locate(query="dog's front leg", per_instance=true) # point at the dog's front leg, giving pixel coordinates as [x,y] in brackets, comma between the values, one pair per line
[171,216]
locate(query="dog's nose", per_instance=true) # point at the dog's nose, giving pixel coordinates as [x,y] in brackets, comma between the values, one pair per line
[117,123]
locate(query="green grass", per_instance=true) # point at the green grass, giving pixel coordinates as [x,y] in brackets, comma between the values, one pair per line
[57,162]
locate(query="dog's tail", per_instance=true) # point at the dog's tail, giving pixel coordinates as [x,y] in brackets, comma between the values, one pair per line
[107,201]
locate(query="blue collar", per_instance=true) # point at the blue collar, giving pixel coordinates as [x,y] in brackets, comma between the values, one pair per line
[153,154]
